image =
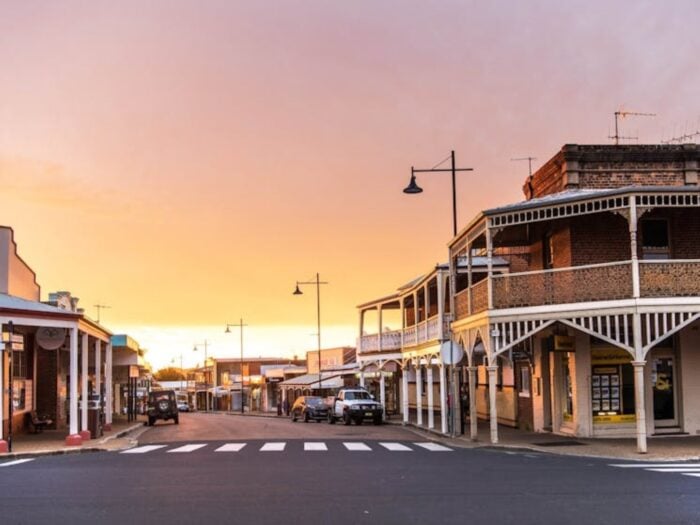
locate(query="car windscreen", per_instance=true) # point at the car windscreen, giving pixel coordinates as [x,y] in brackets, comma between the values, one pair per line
[314,402]
[356,395]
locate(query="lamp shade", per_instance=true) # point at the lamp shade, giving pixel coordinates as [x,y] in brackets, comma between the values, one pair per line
[412,186]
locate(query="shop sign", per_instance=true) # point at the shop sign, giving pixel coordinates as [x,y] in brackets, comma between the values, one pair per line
[133,371]
[563,343]
[610,356]
[614,419]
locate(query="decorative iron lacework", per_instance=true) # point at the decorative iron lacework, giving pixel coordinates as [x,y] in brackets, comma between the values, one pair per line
[560,211]
[668,199]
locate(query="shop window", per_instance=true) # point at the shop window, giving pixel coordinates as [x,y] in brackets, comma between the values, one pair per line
[655,239]
[19,373]
[524,381]
[568,412]
[612,386]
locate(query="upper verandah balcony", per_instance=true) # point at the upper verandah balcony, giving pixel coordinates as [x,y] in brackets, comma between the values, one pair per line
[584,246]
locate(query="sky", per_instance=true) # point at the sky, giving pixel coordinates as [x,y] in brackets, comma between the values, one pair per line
[185,163]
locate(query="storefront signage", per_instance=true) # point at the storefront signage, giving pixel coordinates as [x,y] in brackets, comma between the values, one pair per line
[563,343]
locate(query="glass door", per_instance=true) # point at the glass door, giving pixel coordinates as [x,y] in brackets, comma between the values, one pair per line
[663,380]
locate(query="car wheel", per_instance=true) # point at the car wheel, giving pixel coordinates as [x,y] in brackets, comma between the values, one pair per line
[346,418]
[150,421]
[358,421]
[294,417]
[177,420]
[331,419]
[306,417]
[377,420]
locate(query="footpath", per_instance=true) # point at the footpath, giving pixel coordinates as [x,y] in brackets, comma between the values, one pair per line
[125,434]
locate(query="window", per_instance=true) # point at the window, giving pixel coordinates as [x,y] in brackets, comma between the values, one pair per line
[524,383]
[655,239]
[547,251]
[19,365]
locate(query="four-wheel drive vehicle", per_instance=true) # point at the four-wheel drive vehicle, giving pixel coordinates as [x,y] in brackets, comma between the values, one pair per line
[355,404]
[308,408]
[162,405]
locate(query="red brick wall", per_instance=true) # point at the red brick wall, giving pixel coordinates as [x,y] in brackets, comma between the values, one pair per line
[600,238]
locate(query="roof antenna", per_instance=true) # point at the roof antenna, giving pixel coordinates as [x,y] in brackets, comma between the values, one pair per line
[529,160]
[620,113]
[99,308]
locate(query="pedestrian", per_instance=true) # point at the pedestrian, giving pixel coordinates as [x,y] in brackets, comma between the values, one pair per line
[279,406]
[286,406]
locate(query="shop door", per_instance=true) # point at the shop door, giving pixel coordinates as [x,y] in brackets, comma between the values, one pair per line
[665,389]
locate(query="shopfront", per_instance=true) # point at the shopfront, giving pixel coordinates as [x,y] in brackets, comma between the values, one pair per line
[612,387]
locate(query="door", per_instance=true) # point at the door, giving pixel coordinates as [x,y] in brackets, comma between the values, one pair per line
[664,382]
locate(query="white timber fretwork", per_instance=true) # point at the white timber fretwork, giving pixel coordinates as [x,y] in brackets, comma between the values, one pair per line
[506,335]
[657,326]
[615,329]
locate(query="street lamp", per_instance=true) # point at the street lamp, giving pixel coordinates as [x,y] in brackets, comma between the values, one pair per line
[228,331]
[297,291]
[206,380]
[412,189]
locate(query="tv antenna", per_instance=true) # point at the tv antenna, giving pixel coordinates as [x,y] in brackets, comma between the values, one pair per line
[622,114]
[99,308]
[684,137]
[529,168]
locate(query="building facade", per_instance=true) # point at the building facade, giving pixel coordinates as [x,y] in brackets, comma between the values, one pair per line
[596,315]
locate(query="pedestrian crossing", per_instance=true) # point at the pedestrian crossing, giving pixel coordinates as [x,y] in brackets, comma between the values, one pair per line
[282,446]
[686,469]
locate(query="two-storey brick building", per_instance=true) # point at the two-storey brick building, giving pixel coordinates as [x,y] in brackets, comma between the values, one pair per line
[596,316]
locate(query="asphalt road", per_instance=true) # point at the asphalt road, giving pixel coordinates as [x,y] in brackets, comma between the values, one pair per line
[353,475]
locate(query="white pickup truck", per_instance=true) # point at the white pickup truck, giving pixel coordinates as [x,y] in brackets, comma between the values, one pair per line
[355,404]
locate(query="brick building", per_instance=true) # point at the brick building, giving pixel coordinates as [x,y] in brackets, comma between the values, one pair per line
[592,330]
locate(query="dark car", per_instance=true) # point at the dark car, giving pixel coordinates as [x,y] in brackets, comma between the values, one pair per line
[309,408]
[162,405]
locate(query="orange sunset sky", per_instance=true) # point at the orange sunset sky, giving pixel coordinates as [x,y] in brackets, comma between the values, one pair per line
[186,162]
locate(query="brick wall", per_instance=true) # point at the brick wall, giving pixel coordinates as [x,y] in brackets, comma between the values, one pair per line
[600,238]
[606,166]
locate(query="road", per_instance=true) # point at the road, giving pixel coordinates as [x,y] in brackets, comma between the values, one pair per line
[233,469]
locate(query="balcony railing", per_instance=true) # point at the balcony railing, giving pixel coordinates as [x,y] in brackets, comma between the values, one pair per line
[423,332]
[675,278]
[581,284]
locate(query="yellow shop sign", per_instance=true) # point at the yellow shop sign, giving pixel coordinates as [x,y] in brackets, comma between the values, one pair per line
[610,356]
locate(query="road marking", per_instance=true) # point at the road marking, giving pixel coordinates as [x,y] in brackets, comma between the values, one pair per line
[433,447]
[675,469]
[187,448]
[273,447]
[396,447]
[694,475]
[315,447]
[655,465]
[231,447]
[16,462]
[142,450]
[356,446]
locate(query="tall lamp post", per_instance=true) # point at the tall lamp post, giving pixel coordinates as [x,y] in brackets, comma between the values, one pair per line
[413,188]
[228,331]
[297,291]
[205,344]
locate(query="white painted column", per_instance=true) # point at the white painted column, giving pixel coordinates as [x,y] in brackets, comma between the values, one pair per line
[640,411]
[419,394]
[382,391]
[633,248]
[441,306]
[473,429]
[431,410]
[469,278]
[98,368]
[380,342]
[362,379]
[84,384]
[489,264]
[73,387]
[109,385]
[493,412]
[404,392]
[443,401]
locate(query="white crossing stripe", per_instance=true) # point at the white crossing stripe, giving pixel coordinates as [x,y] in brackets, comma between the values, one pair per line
[143,449]
[396,447]
[315,446]
[16,462]
[433,447]
[356,446]
[675,469]
[655,465]
[694,475]
[187,448]
[231,447]
[273,447]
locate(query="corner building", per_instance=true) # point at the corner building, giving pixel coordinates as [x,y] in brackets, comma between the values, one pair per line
[595,315]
